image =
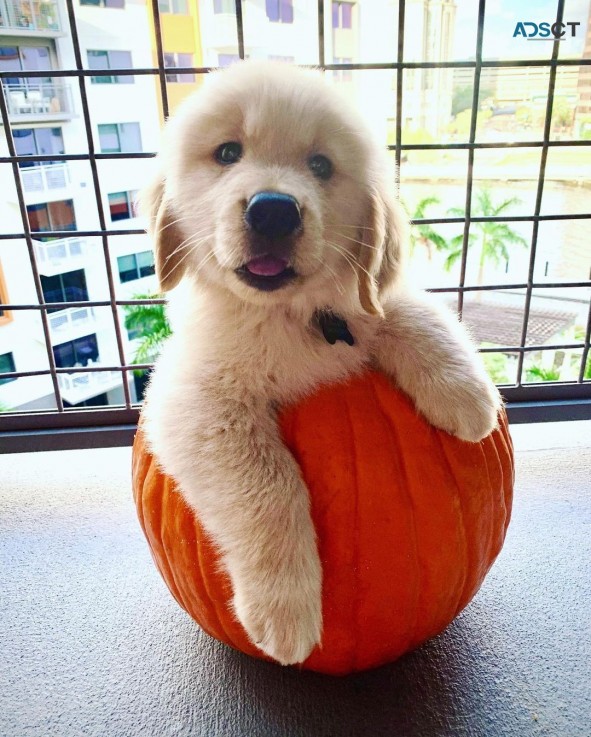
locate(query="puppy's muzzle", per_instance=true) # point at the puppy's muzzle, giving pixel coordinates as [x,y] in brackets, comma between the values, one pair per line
[273,221]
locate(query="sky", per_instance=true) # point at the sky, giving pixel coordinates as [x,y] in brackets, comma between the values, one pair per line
[500,21]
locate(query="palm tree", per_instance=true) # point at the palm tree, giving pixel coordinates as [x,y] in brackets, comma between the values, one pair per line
[151,325]
[427,236]
[491,237]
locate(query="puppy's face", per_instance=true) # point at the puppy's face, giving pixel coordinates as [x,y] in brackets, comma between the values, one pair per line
[271,187]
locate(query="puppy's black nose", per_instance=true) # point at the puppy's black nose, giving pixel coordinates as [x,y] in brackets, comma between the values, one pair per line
[273,214]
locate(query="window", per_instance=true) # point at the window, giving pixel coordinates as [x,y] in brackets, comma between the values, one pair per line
[6,367]
[121,205]
[284,59]
[37,141]
[179,60]
[110,60]
[58,215]
[342,15]
[104,3]
[119,137]
[279,11]
[224,6]
[67,287]
[343,75]
[224,60]
[25,58]
[135,266]
[79,351]
[178,7]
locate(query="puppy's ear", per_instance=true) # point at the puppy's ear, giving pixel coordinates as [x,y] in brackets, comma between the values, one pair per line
[165,234]
[383,237]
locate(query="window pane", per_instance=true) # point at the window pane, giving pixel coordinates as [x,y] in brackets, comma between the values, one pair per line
[119,206]
[121,60]
[109,138]
[98,59]
[38,217]
[287,11]
[49,141]
[61,215]
[225,60]
[130,138]
[114,3]
[347,15]
[74,283]
[185,60]
[179,7]
[164,6]
[52,288]
[127,268]
[272,10]
[35,57]
[9,59]
[6,366]
[24,143]
[145,262]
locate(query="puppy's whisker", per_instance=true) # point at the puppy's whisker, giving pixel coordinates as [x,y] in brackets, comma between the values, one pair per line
[349,258]
[194,246]
[361,243]
[332,274]
[189,242]
[172,222]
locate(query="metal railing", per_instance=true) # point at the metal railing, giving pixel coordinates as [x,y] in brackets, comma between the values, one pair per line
[37,99]
[550,400]
[45,177]
[59,252]
[30,15]
[77,387]
[71,319]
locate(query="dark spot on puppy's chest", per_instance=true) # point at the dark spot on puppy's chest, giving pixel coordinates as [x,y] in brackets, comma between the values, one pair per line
[333,328]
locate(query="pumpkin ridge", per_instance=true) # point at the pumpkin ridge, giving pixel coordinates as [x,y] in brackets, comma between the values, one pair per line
[496,546]
[506,440]
[357,563]
[461,520]
[396,437]
[489,441]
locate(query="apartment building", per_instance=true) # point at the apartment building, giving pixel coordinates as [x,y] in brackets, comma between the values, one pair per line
[46,117]
[47,120]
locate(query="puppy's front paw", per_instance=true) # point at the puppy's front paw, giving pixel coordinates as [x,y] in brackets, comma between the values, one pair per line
[470,412]
[283,620]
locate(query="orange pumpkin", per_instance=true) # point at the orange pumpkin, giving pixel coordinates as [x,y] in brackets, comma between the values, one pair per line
[409,520]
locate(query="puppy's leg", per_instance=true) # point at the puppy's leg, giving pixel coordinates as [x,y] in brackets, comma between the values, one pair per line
[233,469]
[430,357]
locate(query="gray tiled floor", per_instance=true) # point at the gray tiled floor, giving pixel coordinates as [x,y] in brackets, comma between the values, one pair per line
[92,643]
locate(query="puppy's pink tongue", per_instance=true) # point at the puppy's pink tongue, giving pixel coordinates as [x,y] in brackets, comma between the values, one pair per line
[266,266]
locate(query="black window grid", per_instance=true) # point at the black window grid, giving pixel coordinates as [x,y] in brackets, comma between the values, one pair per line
[552,400]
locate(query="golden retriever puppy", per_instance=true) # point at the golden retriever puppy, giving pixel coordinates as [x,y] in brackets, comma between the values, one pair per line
[276,209]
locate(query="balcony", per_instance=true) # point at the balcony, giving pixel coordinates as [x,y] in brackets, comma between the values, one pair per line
[45,179]
[70,323]
[26,17]
[79,387]
[38,101]
[56,256]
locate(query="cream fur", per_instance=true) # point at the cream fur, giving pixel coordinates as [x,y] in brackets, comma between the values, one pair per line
[237,354]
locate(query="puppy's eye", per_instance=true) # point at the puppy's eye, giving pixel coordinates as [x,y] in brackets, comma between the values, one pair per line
[320,166]
[228,153]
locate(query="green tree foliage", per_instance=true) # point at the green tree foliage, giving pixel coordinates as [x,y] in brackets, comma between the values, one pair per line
[151,324]
[535,373]
[424,234]
[489,238]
